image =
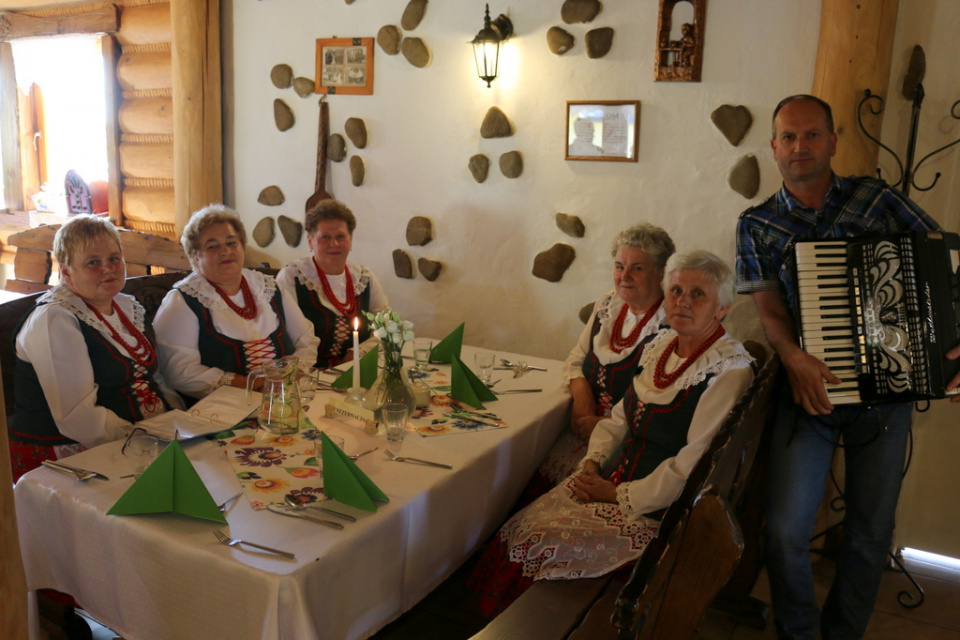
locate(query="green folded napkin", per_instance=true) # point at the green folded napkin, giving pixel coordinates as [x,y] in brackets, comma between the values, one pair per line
[343,480]
[466,387]
[448,348]
[368,372]
[169,485]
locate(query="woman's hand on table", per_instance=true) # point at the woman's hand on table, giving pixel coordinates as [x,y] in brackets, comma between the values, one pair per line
[591,487]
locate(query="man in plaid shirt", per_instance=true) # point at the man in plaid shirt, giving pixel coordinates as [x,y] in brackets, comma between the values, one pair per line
[815,203]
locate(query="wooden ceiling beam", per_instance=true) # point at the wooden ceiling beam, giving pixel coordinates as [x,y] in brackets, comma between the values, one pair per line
[15,25]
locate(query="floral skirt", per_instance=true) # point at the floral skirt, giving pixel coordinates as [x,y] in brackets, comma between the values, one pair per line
[557,537]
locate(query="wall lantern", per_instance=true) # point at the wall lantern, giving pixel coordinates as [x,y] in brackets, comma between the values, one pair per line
[486,46]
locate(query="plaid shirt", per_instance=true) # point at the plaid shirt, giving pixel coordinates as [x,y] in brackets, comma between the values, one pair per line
[853,207]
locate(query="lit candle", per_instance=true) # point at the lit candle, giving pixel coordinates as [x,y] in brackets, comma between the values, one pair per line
[356,352]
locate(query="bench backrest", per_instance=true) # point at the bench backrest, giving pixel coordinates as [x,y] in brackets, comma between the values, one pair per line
[700,541]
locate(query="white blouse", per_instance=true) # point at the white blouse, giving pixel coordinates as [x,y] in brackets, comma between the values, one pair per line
[178,329]
[730,363]
[607,309]
[304,271]
[51,340]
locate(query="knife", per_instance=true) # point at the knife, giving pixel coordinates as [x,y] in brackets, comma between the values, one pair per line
[297,514]
[331,512]
[432,464]
[506,391]
[59,466]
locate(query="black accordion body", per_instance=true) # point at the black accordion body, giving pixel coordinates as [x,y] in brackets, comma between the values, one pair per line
[881,312]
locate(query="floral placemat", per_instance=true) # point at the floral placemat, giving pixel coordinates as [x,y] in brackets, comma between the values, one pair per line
[270,466]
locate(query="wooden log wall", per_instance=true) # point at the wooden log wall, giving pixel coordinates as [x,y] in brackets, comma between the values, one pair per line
[145,118]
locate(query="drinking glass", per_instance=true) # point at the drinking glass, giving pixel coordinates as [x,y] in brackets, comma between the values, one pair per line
[140,450]
[307,382]
[318,448]
[421,352]
[484,361]
[394,416]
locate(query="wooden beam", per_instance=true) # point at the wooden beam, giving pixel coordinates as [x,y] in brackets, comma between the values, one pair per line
[196,97]
[110,52]
[10,130]
[15,25]
[854,54]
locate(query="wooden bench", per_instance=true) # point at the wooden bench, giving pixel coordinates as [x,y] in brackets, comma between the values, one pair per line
[666,593]
[144,253]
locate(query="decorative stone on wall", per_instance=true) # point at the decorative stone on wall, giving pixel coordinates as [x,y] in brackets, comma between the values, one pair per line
[282,115]
[551,264]
[559,40]
[291,230]
[265,231]
[511,164]
[356,130]
[495,124]
[413,14]
[304,87]
[599,42]
[429,269]
[571,225]
[389,37]
[336,148]
[732,121]
[271,196]
[415,51]
[745,176]
[419,231]
[479,167]
[281,75]
[357,170]
[574,11]
[402,266]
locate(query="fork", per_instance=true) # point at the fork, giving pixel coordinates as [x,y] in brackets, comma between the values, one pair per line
[231,542]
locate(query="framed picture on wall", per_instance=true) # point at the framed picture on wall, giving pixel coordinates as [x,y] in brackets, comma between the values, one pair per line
[603,130]
[344,66]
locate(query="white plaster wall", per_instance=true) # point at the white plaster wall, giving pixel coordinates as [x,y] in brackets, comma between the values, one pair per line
[424,125]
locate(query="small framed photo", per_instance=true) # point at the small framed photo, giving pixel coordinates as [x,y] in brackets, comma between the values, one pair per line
[345,66]
[603,130]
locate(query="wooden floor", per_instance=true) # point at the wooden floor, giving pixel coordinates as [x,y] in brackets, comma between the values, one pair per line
[449,613]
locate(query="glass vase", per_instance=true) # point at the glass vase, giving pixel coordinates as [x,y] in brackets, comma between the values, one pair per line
[390,386]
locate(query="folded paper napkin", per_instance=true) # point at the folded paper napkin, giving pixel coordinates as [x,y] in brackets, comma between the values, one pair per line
[169,485]
[270,467]
[449,347]
[343,480]
[368,372]
[466,387]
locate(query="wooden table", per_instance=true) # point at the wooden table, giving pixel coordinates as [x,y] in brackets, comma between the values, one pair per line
[165,576]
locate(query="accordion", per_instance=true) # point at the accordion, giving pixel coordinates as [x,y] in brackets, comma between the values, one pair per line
[881,312]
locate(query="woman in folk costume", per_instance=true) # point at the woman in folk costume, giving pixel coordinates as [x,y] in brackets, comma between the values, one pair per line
[87,362]
[330,290]
[601,365]
[602,517]
[220,322]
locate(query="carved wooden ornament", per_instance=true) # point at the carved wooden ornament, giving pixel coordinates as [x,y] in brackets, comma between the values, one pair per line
[680,60]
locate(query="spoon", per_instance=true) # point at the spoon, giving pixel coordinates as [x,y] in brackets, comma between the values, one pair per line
[294,503]
[362,453]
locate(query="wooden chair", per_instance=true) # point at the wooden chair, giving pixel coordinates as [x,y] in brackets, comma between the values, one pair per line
[10,315]
[13,583]
[666,593]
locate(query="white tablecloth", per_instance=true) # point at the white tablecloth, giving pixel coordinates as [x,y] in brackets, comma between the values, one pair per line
[165,577]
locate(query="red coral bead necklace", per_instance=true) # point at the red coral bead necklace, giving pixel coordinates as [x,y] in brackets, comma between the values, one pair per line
[663,380]
[141,351]
[249,309]
[619,342]
[347,308]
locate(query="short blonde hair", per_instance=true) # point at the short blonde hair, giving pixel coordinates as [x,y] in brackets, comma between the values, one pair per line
[200,220]
[329,210]
[652,240]
[78,233]
[718,271]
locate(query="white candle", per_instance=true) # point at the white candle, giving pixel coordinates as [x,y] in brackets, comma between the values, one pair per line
[356,352]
